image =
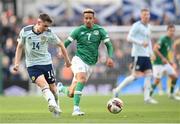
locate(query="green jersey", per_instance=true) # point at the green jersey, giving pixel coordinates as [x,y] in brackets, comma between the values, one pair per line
[36,45]
[88,41]
[165,44]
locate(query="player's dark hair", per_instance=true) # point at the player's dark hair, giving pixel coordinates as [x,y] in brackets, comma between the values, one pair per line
[88,10]
[45,17]
[170,26]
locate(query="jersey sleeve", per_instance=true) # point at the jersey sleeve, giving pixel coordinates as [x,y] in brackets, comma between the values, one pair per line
[21,38]
[132,34]
[73,35]
[160,41]
[104,36]
[54,39]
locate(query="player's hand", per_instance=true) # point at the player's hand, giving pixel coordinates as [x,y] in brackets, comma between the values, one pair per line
[16,68]
[145,44]
[153,57]
[164,60]
[109,62]
[173,64]
[68,64]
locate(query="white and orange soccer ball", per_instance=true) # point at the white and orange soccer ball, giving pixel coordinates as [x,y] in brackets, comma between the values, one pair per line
[115,105]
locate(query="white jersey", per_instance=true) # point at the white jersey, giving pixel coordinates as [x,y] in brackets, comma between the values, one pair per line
[138,34]
[36,45]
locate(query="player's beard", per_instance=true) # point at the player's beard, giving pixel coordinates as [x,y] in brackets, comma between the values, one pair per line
[89,25]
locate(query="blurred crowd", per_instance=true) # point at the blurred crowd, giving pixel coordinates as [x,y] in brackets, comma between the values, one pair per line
[10,26]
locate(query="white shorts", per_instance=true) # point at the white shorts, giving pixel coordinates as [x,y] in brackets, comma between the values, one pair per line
[160,70]
[79,66]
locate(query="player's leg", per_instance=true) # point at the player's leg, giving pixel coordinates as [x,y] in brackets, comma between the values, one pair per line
[154,85]
[146,67]
[81,80]
[123,84]
[42,83]
[53,89]
[71,88]
[158,71]
[147,87]
[173,75]
[49,75]
[37,76]
[127,80]
[67,90]
[81,73]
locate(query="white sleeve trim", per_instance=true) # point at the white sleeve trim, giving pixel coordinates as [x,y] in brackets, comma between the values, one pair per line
[70,38]
[106,40]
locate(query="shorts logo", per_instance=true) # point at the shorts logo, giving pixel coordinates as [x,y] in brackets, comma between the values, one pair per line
[52,79]
[137,67]
[33,78]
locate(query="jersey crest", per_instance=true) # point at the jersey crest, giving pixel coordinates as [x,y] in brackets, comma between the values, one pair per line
[44,39]
[96,32]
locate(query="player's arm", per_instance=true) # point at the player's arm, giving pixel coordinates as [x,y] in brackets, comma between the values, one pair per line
[156,50]
[19,50]
[110,50]
[132,37]
[152,56]
[108,43]
[65,54]
[71,38]
[68,41]
[18,54]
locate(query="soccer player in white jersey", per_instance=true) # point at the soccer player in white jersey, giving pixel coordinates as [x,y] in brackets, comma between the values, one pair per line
[139,36]
[34,40]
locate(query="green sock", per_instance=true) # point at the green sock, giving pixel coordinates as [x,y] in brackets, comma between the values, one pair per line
[153,87]
[65,90]
[172,86]
[78,92]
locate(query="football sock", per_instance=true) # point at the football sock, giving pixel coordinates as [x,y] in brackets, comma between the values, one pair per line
[125,82]
[153,88]
[56,96]
[147,87]
[173,83]
[48,96]
[65,90]
[78,92]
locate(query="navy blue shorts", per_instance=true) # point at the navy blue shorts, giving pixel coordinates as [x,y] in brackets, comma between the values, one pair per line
[142,63]
[46,70]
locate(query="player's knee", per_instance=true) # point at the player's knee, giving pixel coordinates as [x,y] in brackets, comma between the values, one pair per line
[81,78]
[43,89]
[132,77]
[149,74]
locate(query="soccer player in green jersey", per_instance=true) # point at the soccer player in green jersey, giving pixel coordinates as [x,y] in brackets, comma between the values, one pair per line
[88,37]
[34,40]
[163,64]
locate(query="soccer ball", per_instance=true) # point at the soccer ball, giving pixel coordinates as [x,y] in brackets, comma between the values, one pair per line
[115,105]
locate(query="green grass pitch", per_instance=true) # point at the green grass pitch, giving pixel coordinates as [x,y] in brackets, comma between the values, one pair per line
[31,109]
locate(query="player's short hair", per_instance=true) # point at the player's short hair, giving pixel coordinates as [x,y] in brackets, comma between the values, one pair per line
[145,10]
[45,17]
[88,10]
[170,26]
